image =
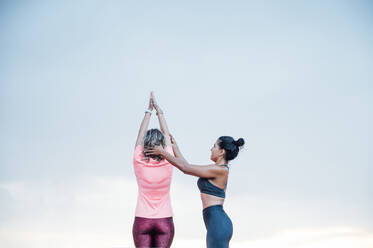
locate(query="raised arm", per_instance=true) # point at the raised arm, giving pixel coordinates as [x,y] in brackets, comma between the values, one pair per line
[162,121]
[205,171]
[175,148]
[144,124]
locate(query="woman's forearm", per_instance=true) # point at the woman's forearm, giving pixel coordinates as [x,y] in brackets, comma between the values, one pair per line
[162,122]
[177,151]
[143,127]
[145,123]
[178,162]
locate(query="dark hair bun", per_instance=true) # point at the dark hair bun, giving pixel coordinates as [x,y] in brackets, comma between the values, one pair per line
[231,146]
[239,142]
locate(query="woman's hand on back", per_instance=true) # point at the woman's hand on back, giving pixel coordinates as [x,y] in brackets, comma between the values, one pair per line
[156,150]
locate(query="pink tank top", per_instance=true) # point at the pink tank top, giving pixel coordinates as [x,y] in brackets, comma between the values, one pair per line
[153,180]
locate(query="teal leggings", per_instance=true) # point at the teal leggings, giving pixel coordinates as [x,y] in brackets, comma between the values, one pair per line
[219,227]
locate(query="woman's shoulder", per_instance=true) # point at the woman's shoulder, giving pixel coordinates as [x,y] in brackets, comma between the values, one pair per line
[224,169]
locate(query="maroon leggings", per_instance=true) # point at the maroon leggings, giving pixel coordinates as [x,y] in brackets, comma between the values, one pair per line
[153,232]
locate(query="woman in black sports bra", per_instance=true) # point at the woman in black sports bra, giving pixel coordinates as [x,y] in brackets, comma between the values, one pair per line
[212,182]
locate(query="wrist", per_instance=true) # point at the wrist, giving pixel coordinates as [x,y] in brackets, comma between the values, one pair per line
[148,111]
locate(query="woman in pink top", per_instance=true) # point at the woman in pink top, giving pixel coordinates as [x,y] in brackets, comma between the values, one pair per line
[153,225]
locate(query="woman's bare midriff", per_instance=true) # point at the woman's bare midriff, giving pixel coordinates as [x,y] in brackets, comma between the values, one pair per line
[210,200]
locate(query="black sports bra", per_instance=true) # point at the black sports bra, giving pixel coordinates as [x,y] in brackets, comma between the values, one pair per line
[206,187]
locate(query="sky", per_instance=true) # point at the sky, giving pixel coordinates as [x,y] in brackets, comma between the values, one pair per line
[293,78]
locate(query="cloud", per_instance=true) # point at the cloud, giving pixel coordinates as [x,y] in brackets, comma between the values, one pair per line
[341,237]
[90,212]
[98,212]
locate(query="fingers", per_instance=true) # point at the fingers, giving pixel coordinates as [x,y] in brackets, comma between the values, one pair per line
[153,97]
[150,101]
[154,151]
[151,152]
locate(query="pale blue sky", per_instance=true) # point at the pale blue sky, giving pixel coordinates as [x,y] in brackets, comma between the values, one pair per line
[292,78]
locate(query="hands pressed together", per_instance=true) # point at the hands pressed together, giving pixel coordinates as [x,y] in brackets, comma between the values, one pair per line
[153,103]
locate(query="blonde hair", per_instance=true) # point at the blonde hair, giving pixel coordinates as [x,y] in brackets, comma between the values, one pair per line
[153,137]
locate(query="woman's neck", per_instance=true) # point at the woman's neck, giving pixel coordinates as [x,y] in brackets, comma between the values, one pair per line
[221,161]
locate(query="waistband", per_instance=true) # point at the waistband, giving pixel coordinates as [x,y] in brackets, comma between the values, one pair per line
[144,218]
[212,208]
